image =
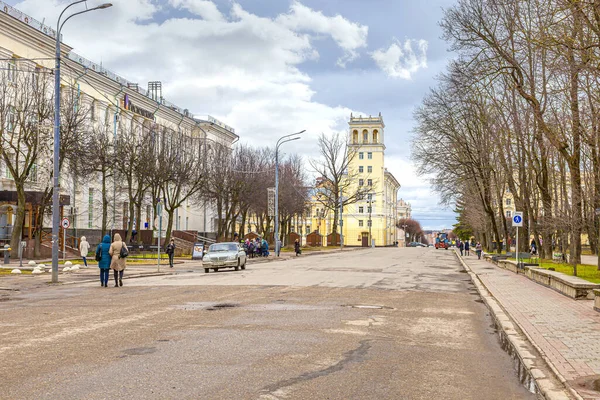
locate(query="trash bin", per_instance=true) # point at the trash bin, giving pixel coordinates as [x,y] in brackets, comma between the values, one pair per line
[6,254]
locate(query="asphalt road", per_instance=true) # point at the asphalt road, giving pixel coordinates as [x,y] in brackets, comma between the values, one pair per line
[369,324]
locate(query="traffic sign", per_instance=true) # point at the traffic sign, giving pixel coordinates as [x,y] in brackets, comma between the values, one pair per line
[517,219]
[65,223]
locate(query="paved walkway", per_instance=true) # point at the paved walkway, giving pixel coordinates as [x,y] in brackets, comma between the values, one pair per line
[566,331]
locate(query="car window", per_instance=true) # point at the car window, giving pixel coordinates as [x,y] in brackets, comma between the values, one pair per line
[223,247]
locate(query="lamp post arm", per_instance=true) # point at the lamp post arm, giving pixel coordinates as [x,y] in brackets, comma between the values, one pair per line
[77,13]
[61,14]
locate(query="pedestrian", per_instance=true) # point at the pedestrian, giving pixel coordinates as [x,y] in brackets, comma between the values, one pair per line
[103,258]
[467,247]
[84,248]
[251,248]
[533,247]
[265,248]
[297,248]
[461,246]
[171,252]
[478,250]
[118,251]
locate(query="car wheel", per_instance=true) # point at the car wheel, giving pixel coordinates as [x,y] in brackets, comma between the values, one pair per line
[216,269]
[244,265]
[206,270]
[237,267]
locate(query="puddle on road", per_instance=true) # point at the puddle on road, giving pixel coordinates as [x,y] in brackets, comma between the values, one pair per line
[213,306]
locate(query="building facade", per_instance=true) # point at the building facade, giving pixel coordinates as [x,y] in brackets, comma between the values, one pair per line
[27,47]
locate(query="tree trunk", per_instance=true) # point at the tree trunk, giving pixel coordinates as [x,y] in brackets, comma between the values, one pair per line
[15,240]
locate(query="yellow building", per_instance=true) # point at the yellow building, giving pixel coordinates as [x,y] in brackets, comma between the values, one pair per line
[371,220]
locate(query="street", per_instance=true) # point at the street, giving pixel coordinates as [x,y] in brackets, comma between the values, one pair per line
[393,323]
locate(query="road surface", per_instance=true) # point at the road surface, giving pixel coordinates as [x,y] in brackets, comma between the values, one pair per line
[397,323]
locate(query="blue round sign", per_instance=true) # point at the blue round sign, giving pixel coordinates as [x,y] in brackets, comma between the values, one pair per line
[517,219]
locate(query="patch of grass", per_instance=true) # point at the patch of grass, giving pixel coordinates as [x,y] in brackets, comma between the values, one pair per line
[7,272]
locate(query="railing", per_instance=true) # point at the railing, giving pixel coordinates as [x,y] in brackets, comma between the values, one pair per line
[21,16]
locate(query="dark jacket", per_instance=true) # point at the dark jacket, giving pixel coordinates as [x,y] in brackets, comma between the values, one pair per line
[467,245]
[170,248]
[103,248]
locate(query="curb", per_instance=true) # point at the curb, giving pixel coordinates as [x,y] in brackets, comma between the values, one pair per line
[518,342]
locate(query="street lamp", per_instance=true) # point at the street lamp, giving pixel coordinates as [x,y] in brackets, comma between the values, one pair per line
[282,140]
[56,172]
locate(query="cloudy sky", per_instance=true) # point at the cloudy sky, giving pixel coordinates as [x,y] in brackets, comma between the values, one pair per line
[272,67]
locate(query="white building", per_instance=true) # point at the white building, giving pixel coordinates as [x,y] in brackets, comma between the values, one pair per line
[27,46]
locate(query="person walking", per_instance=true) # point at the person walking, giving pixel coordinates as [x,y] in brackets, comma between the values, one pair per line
[297,247]
[171,252]
[467,247]
[478,250]
[461,246]
[265,248]
[84,248]
[117,263]
[103,258]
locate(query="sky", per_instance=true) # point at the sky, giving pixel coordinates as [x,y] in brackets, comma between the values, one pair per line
[273,67]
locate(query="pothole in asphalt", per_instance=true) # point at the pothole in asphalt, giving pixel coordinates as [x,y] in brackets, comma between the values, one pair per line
[140,351]
[463,271]
[368,306]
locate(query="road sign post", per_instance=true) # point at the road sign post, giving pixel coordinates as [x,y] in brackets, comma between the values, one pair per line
[65,223]
[517,221]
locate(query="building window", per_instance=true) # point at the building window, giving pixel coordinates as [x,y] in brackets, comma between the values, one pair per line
[361,156]
[369,223]
[32,177]
[361,169]
[11,76]
[508,202]
[370,182]
[355,137]
[508,214]
[148,216]
[361,210]
[307,229]
[360,222]
[361,182]
[375,136]
[370,196]
[370,155]
[10,119]
[91,208]
[35,78]
[365,136]
[369,169]
[93,110]
[369,209]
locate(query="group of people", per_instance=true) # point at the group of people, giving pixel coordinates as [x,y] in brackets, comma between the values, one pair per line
[465,248]
[256,248]
[112,255]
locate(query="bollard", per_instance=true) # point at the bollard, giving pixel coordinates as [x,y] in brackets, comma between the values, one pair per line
[6,254]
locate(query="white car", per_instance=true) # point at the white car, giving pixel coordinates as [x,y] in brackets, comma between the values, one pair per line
[224,255]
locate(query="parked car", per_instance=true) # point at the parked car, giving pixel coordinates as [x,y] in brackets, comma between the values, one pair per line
[224,255]
[416,244]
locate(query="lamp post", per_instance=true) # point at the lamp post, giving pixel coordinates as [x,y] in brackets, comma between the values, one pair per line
[282,140]
[56,170]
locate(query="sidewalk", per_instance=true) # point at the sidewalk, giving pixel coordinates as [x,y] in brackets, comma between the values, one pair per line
[565,331]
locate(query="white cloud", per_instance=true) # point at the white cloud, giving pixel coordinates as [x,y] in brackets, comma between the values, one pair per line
[205,9]
[401,60]
[348,35]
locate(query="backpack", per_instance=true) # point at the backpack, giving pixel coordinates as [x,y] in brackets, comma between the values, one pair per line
[124,251]
[99,253]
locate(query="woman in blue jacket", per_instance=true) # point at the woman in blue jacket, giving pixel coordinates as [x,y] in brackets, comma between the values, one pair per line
[104,263]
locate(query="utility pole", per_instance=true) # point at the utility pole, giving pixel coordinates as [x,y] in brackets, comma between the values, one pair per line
[56,148]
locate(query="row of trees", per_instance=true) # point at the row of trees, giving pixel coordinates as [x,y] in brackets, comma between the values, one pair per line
[518,111]
[133,161]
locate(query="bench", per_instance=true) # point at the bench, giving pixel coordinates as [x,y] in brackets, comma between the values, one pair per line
[508,265]
[571,286]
